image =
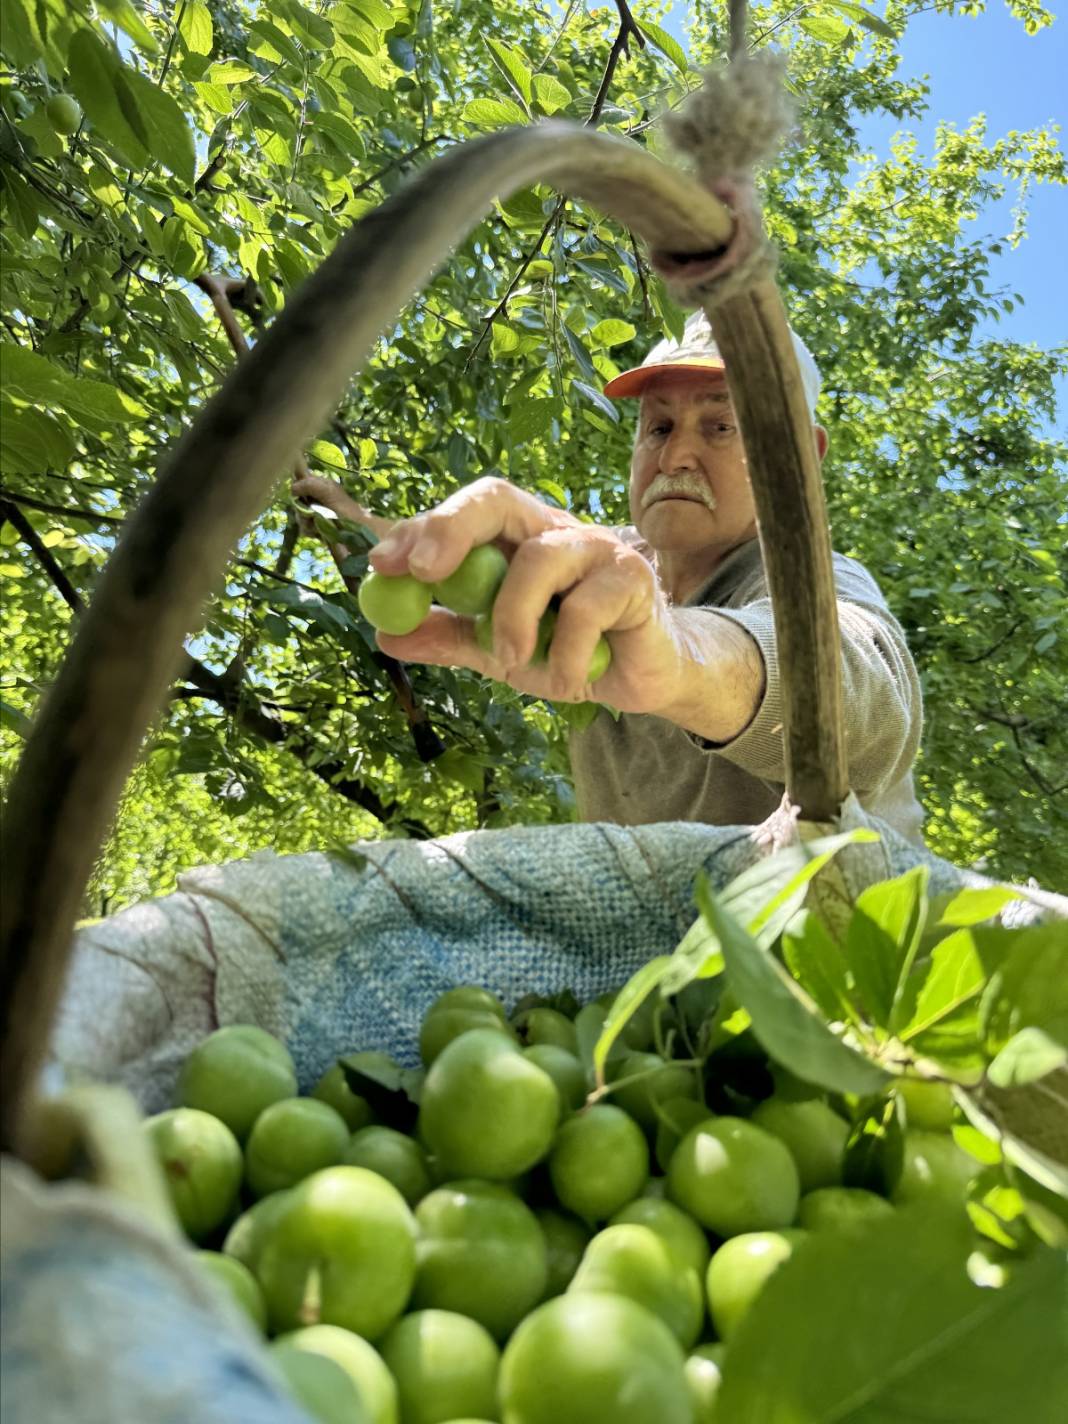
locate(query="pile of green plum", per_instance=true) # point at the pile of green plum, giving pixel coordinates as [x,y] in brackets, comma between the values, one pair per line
[399,604]
[518,1243]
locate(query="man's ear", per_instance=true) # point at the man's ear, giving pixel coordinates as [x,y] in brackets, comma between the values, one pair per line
[822,441]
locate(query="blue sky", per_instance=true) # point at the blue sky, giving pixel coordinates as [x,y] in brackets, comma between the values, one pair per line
[988,64]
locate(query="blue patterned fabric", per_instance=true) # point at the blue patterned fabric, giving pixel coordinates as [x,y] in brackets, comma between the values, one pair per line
[105,1322]
[333,957]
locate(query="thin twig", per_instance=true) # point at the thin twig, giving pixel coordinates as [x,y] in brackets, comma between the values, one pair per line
[42,554]
[31,502]
[233,695]
[627,28]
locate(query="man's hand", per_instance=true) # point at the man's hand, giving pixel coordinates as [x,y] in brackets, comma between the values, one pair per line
[683,664]
[329,493]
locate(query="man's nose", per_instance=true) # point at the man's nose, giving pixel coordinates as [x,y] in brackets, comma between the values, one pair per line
[680,451]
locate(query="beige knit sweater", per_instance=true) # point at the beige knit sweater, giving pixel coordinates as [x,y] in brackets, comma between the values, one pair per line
[642,768]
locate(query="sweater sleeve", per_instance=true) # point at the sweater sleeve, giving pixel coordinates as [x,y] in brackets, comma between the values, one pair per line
[881,701]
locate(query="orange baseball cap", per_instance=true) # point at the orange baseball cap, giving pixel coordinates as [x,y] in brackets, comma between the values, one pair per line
[697,351]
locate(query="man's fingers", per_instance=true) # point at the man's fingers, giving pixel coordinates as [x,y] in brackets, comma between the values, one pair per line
[548,564]
[433,545]
[443,639]
[605,585]
[602,601]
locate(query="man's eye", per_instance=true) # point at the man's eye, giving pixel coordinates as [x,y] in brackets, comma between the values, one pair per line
[661,428]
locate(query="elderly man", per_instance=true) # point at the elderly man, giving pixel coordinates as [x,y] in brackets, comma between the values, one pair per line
[682,597]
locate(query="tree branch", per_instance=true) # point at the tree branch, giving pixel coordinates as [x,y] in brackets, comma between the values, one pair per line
[44,556]
[224,293]
[252,717]
[233,695]
[502,305]
[980,657]
[65,511]
[627,28]
[399,162]
[288,546]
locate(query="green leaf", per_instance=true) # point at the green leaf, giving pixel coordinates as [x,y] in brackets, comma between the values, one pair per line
[818,965]
[672,316]
[32,440]
[327,453]
[785,1019]
[275,45]
[953,980]
[825,28]
[19,36]
[974,905]
[579,715]
[666,43]
[306,603]
[14,720]
[862,17]
[1027,1056]
[698,955]
[550,93]
[588,369]
[341,133]
[126,17]
[532,418]
[168,136]
[462,768]
[195,27]
[875,1149]
[882,939]
[20,201]
[596,398]
[589,1025]
[524,209]
[1029,1122]
[311,29]
[924,1342]
[95,71]
[629,999]
[764,899]
[35,380]
[493,113]
[231,71]
[1030,987]
[505,339]
[612,332]
[556,493]
[392,1091]
[514,66]
[374,12]
[603,274]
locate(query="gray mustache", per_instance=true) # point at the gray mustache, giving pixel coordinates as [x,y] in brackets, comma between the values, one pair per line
[679,487]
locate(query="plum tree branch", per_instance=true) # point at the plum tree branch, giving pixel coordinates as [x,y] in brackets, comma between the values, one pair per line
[233,695]
[627,30]
[224,293]
[620,45]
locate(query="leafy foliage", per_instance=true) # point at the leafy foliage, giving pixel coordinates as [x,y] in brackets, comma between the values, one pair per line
[947,1314]
[218,138]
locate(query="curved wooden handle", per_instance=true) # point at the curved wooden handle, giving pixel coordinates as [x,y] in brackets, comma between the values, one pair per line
[174,550]
[753,336]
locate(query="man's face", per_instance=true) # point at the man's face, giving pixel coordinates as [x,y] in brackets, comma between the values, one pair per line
[689,487]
